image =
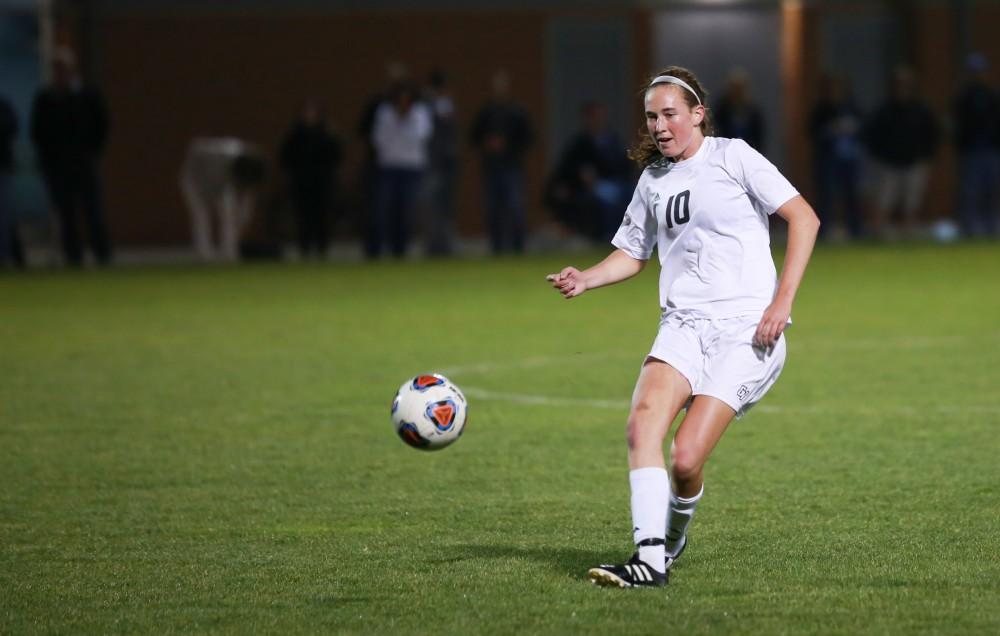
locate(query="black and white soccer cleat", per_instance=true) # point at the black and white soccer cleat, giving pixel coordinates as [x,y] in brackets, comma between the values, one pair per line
[635,573]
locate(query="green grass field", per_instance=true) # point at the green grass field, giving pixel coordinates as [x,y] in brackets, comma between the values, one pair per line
[209,450]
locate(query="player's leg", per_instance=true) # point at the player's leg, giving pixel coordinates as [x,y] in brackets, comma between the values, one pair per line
[735,377]
[701,429]
[659,395]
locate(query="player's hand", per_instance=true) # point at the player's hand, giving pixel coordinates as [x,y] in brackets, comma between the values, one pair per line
[771,325]
[569,282]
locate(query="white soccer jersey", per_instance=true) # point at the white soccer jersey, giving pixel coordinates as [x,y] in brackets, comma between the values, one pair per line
[708,218]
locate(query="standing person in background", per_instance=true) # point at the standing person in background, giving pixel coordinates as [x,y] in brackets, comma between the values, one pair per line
[502,133]
[219,179]
[69,125]
[367,181]
[902,135]
[977,139]
[835,128]
[310,155]
[443,173]
[592,182]
[8,129]
[736,115]
[403,126]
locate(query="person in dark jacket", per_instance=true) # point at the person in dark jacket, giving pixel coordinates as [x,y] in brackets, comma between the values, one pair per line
[69,126]
[593,180]
[835,128]
[737,116]
[902,136]
[310,154]
[977,140]
[502,133]
[442,172]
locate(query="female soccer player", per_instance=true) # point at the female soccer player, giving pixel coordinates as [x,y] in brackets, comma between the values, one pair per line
[704,203]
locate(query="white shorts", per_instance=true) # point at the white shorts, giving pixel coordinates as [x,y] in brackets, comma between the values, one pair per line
[718,358]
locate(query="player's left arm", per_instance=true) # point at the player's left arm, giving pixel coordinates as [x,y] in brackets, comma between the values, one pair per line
[803,225]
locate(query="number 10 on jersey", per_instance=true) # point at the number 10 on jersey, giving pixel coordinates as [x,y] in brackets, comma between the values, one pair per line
[678,211]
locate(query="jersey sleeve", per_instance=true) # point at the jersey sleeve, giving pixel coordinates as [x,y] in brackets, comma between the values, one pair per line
[636,236]
[758,176]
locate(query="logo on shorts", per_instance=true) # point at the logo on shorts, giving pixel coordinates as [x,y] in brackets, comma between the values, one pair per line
[743,393]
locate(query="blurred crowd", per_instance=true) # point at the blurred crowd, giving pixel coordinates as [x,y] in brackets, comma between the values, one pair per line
[892,151]
[870,169]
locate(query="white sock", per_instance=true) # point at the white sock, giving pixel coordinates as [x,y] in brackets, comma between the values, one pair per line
[678,517]
[650,497]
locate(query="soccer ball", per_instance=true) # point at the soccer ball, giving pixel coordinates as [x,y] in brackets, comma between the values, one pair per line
[429,412]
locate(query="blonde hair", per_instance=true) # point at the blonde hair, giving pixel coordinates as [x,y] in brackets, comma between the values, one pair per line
[645,152]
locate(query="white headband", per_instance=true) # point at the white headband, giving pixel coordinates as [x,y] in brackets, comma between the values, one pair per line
[670,79]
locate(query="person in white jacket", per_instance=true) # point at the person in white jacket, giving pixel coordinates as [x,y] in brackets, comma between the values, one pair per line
[219,179]
[402,130]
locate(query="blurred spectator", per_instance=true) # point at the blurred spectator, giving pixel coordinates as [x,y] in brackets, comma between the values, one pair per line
[367,187]
[502,132]
[400,134]
[219,179]
[736,115]
[395,73]
[592,182]
[835,128]
[443,173]
[8,231]
[310,155]
[977,139]
[69,125]
[902,135]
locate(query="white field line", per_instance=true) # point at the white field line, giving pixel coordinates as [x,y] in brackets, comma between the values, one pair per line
[893,343]
[899,343]
[525,363]
[544,400]
[623,405]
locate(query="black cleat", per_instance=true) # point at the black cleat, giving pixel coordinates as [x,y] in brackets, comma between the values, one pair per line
[635,573]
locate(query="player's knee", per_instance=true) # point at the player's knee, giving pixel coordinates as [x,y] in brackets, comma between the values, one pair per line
[686,463]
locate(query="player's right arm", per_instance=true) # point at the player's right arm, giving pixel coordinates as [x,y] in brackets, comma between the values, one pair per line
[618,266]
